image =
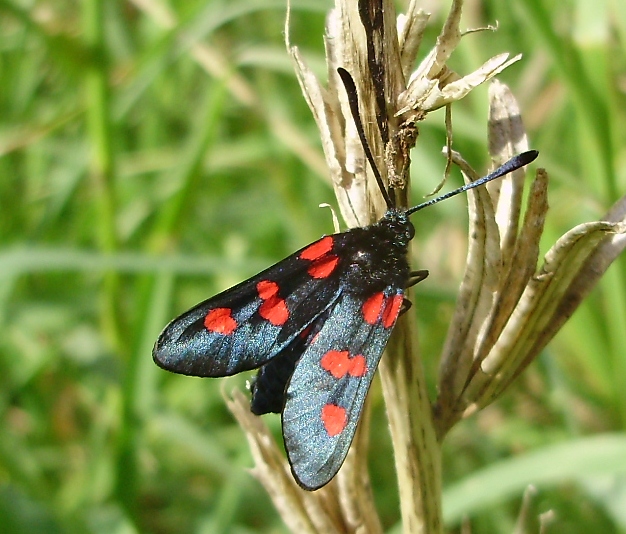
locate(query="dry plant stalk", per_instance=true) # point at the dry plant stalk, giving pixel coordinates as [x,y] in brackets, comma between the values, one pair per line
[507,309]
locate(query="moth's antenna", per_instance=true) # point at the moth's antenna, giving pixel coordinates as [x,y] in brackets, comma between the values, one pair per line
[513,164]
[353,101]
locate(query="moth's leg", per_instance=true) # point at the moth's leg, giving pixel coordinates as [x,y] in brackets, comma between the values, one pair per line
[415,277]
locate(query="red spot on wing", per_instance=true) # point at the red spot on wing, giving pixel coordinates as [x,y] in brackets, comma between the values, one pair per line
[318,249]
[323,267]
[305,333]
[267,289]
[220,321]
[273,309]
[392,310]
[358,366]
[339,363]
[334,419]
[373,307]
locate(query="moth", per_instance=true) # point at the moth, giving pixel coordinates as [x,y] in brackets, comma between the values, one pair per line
[315,324]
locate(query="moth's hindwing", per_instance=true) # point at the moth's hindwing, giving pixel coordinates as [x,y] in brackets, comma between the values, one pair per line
[325,395]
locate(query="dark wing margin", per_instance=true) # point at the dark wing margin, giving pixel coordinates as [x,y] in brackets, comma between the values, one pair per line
[325,396]
[245,326]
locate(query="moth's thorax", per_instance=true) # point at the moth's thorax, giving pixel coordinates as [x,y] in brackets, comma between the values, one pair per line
[377,254]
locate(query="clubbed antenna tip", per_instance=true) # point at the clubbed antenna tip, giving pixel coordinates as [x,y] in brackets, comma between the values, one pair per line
[511,165]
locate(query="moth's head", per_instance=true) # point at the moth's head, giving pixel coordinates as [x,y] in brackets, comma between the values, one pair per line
[400,228]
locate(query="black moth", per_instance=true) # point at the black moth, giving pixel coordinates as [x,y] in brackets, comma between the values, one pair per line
[315,325]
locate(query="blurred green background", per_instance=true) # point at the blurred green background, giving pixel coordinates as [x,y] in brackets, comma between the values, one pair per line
[154,153]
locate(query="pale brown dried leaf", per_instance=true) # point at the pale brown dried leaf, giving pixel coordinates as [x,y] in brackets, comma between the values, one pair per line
[507,137]
[536,308]
[522,265]
[349,184]
[411,27]
[497,267]
[475,295]
[461,87]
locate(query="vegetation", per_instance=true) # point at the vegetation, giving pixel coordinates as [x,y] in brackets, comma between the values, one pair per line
[155,153]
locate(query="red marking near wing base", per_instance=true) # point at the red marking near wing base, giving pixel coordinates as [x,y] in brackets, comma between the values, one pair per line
[373,307]
[220,321]
[305,333]
[267,289]
[275,311]
[392,309]
[339,363]
[323,267]
[317,249]
[334,419]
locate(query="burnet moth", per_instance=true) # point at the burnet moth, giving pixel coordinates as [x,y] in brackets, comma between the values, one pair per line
[315,325]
